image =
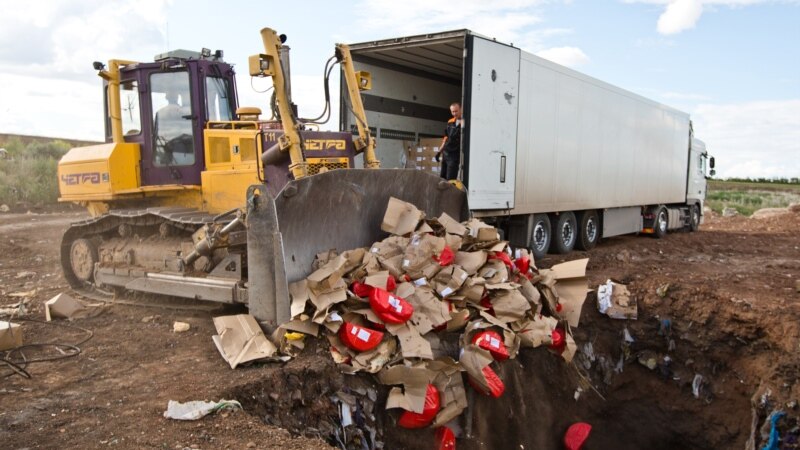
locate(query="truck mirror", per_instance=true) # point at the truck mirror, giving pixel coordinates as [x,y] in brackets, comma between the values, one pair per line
[711,163]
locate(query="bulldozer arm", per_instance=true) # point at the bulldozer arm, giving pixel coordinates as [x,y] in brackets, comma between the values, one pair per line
[340,210]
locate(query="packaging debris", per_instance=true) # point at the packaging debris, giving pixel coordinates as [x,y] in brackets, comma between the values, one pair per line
[432,291]
[10,335]
[181,327]
[197,409]
[240,339]
[64,306]
[615,301]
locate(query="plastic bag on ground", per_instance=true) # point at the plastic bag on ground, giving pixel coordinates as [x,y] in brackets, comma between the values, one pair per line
[197,409]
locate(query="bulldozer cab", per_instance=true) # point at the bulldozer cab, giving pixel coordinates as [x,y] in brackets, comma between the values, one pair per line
[165,106]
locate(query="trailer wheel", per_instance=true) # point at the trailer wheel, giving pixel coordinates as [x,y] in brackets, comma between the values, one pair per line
[660,223]
[588,230]
[565,232]
[694,220]
[540,236]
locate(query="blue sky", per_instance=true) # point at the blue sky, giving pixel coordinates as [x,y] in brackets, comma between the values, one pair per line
[734,65]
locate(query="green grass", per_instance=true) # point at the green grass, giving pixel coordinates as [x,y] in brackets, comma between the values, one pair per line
[29,177]
[748,197]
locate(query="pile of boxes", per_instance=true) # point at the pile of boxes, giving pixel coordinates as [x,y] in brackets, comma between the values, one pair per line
[422,155]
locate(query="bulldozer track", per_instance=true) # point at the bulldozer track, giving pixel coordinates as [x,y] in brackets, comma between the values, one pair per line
[186,219]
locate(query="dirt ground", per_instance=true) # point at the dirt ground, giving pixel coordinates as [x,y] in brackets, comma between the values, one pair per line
[731,313]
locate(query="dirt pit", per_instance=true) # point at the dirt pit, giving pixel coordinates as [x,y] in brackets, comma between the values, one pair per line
[727,312]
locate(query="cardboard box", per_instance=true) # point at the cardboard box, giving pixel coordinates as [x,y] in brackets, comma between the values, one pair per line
[401,218]
[615,301]
[64,306]
[10,335]
[240,339]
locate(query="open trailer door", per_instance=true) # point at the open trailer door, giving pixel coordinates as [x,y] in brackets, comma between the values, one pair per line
[491,101]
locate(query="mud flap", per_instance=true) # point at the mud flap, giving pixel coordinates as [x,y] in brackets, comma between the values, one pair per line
[342,210]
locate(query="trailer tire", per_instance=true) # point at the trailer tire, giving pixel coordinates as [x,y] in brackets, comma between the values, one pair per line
[588,230]
[660,222]
[541,235]
[694,218]
[565,232]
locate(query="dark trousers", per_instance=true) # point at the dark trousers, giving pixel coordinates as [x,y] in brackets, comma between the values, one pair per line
[450,166]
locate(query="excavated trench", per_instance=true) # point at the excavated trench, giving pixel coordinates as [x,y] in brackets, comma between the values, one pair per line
[632,408]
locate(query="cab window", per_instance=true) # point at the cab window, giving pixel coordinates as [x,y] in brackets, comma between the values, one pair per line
[172,119]
[218,102]
[129,107]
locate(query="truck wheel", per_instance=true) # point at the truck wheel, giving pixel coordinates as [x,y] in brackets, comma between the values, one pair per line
[588,230]
[540,236]
[565,232]
[694,220]
[660,223]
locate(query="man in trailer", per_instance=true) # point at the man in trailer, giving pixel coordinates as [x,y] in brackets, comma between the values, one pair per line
[450,150]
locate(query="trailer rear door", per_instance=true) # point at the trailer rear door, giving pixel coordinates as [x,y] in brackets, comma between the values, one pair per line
[491,103]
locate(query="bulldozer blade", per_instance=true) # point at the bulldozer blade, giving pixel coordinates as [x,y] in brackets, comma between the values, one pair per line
[339,210]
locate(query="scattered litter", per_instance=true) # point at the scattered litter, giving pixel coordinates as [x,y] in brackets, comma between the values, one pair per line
[697,385]
[577,394]
[64,306]
[180,327]
[24,294]
[662,290]
[774,435]
[10,335]
[25,274]
[197,409]
[148,319]
[615,301]
[626,336]
[665,327]
[17,309]
[648,359]
[4,208]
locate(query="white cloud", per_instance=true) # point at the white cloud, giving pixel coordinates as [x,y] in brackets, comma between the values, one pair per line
[752,139]
[682,15]
[566,56]
[51,107]
[510,21]
[47,82]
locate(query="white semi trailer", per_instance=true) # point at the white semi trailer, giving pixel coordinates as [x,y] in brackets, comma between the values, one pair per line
[557,159]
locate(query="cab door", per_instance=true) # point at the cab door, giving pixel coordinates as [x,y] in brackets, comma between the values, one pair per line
[697,171]
[174,154]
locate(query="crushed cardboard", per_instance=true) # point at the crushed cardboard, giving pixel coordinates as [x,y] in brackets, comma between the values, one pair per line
[10,335]
[64,306]
[485,286]
[240,339]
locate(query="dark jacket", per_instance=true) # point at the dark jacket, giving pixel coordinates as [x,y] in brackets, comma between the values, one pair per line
[452,145]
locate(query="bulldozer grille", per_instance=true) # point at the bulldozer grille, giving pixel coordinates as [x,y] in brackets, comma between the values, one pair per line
[319,165]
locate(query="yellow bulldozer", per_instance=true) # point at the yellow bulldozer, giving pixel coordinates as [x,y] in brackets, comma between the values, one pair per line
[193,196]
